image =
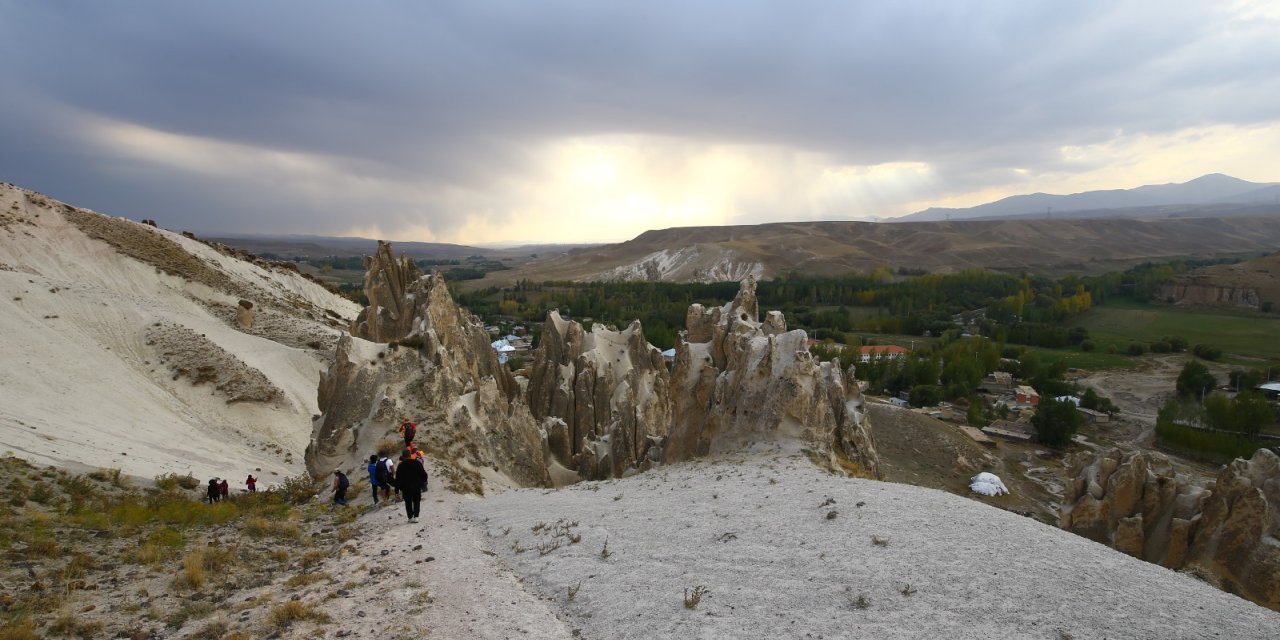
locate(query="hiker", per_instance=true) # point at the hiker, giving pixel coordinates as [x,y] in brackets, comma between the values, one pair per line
[408,430]
[340,484]
[373,477]
[213,492]
[252,483]
[411,477]
[224,490]
[385,475]
[419,454]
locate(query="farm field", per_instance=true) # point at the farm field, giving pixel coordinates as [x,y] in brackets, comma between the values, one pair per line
[1237,333]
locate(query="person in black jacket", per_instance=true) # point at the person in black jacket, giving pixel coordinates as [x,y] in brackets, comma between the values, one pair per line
[411,477]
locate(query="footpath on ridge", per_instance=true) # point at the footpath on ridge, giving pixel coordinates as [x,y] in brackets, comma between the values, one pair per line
[434,578]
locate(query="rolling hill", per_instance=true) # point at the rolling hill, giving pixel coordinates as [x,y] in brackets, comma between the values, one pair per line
[704,254]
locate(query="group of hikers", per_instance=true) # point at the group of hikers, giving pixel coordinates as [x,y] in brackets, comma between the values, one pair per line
[407,480]
[219,490]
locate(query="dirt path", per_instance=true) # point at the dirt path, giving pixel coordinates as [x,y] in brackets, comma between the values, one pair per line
[432,579]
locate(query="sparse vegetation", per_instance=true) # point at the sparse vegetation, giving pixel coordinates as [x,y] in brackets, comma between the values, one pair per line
[284,615]
[694,596]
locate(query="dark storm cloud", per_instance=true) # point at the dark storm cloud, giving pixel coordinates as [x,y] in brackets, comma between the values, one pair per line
[449,99]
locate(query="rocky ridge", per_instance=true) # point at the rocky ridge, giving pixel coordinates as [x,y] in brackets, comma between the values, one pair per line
[598,404]
[744,381]
[437,368]
[1227,532]
[604,397]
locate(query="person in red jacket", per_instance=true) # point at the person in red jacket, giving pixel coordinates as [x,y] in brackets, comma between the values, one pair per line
[251,483]
[224,489]
[408,430]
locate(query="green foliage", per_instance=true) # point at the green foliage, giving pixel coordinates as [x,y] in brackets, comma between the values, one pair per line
[1195,380]
[1055,422]
[1091,400]
[925,395]
[974,414]
[1247,413]
[1173,430]
[1245,379]
[1208,352]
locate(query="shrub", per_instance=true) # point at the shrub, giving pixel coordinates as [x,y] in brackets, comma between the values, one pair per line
[299,489]
[258,528]
[286,614]
[192,575]
[1208,352]
[172,481]
[1136,349]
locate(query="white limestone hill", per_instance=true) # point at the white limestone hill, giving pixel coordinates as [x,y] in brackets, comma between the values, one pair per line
[121,347]
[779,548]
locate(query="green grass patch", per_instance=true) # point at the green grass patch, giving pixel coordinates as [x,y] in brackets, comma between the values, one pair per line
[1242,333]
[1090,361]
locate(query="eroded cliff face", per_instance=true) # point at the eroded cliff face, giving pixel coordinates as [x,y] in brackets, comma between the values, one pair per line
[738,382]
[1227,532]
[604,397]
[1191,292]
[437,369]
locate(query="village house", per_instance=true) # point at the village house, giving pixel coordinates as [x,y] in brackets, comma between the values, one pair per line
[1025,395]
[865,354]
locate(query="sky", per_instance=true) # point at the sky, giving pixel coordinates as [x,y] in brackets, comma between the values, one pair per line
[483,122]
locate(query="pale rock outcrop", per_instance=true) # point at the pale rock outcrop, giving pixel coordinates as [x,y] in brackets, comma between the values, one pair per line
[244,314]
[1228,531]
[438,369]
[738,381]
[606,393]
[392,307]
[1189,291]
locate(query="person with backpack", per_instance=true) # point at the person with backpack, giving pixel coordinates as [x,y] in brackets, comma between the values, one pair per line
[251,483]
[386,476]
[373,477]
[411,477]
[340,484]
[213,492]
[408,430]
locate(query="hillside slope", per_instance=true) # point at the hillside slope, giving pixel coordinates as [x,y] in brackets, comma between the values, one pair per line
[705,254]
[786,550]
[122,349]
[1249,284]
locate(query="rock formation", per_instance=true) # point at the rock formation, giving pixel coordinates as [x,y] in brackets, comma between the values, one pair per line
[598,404]
[1189,291]
[440,371]
[244,314]
[1228,531]
[738,381]
[604,396]
[392,307]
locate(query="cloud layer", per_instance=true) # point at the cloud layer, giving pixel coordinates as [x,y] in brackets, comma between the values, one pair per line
[511,121]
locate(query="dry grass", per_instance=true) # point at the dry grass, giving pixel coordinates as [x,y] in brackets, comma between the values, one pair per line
[21,630]
[284,615]
[192,575]
[694,596]
[306,579]
[258,528]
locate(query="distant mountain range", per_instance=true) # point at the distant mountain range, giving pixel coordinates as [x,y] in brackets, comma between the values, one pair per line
[1213,194]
